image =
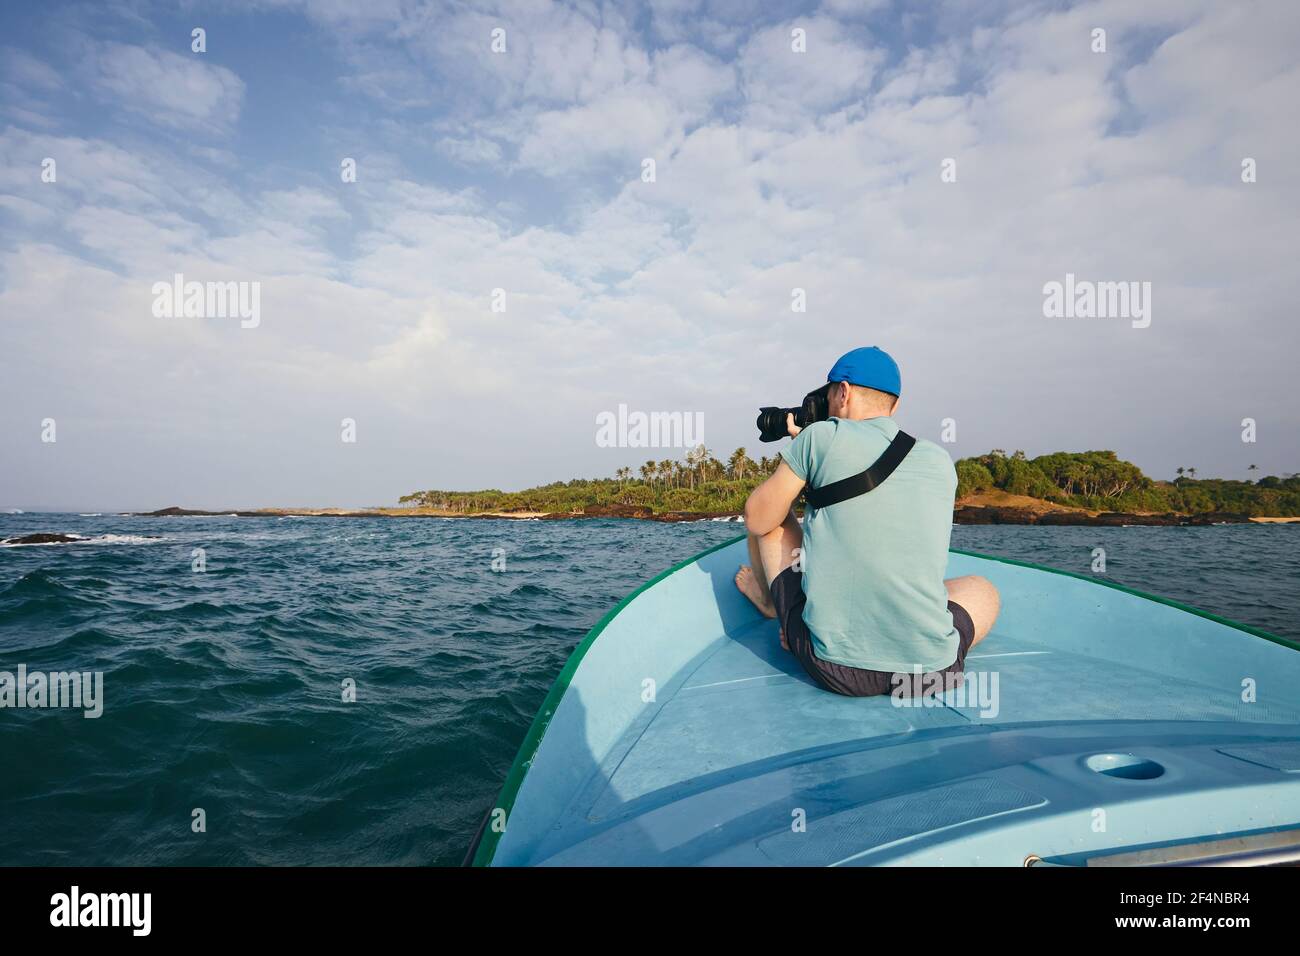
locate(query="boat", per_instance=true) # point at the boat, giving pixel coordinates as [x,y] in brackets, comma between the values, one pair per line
[1096,726]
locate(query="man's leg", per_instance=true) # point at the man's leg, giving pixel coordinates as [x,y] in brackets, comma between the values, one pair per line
[769,554]
[754,585]
[980,599]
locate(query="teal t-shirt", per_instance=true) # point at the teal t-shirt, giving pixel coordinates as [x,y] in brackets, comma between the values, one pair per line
[873,565]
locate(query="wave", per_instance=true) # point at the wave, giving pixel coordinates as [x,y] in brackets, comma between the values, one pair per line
[126,539]
[535,590]
[38,583]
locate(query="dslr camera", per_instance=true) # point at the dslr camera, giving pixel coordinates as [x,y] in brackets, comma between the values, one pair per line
[816,407]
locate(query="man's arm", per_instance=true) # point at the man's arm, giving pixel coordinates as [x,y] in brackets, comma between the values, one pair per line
[770,502]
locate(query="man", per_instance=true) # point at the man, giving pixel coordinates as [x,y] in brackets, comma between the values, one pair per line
[859,591]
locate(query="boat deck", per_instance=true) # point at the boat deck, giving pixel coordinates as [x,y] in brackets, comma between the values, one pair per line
[774,709]
[740,759]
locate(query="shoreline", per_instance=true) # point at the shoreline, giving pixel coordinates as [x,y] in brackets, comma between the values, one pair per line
[592,511]
[965,513]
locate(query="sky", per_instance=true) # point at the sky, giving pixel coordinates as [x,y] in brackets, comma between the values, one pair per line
[502,269]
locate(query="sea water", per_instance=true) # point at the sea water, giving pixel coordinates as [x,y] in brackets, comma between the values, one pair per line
[353,690]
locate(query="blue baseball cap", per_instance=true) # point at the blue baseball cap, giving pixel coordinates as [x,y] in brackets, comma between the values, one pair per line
[869,367]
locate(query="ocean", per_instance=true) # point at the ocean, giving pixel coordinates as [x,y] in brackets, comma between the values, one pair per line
[227,735]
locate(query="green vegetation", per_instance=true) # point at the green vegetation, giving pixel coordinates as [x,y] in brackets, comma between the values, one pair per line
[699,483]
[1102,481]
[1096,480]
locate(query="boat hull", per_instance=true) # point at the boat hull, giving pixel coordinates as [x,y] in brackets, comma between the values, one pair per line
[1093,720]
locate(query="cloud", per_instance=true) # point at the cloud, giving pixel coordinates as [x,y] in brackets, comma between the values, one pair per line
[177,91]
[28,71]
[787,88]
[775,170]
[472,150]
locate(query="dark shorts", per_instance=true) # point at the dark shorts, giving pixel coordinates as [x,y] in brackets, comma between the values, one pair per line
[788,596]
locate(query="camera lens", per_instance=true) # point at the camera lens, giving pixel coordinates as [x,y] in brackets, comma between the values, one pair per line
[771,423]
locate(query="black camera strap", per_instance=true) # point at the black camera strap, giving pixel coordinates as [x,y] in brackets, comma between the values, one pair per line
[864,481]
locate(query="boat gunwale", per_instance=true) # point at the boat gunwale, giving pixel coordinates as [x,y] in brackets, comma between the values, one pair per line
[1168,602]
[484,849]
[489,838]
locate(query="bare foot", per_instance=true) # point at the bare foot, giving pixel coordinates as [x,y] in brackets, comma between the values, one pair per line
[748,585]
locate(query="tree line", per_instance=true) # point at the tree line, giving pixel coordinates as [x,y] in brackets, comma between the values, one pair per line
[701,482]
[1102,481]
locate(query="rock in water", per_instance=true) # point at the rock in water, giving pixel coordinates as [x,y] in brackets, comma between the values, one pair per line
[44,538]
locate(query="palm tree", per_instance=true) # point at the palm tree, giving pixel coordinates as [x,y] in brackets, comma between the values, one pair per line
[666,471]
[710,467]
[1191,472]
[647,472]
[622,475]
[694,457]
[707,466]
[1179,471]
[736,463]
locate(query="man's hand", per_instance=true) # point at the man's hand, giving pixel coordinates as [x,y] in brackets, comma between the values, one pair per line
[790,426]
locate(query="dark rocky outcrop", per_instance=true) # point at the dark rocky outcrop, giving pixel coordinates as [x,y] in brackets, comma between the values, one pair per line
[616,510]
[44,538]
[992,514]
[1215,517]
[1107,519]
